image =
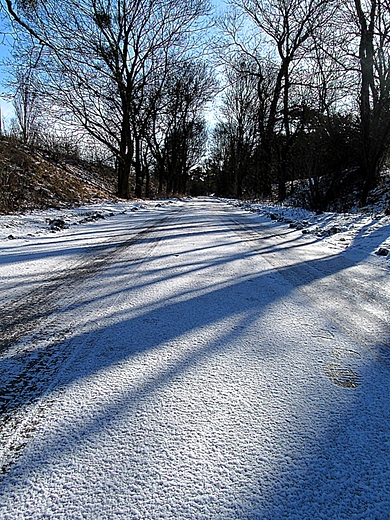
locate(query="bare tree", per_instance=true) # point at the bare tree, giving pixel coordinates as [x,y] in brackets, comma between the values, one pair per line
[239,128]
[352,69]
[99,55]
[276,35]
[372,21]
[178,136]
[24,85]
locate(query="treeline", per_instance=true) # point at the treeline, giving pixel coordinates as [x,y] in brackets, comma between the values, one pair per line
[307,97]
[304,90]
[128,75]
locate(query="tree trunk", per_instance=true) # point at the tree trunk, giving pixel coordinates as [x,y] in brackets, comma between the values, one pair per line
[138,169]
[125,158]
[124,166]
[286,142]
[147,182]
[370,160]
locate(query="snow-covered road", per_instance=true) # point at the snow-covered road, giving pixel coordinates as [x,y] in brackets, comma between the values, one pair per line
[193,362]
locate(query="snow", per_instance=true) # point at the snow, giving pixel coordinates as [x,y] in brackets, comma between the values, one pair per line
[366,232]
[211,362]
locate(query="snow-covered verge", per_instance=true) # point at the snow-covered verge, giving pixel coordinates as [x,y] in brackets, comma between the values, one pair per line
[367,231]
[37,245]
[38,222]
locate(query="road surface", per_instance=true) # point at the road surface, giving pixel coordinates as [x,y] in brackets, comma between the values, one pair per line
[199,363]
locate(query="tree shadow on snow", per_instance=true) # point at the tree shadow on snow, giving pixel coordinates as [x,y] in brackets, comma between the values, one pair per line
[326,461]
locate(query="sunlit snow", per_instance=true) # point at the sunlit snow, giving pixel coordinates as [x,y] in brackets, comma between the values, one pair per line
[195,359]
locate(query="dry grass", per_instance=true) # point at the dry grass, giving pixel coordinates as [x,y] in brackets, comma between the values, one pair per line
[33,179]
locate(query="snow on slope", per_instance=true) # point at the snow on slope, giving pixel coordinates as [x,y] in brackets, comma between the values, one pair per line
[364,231]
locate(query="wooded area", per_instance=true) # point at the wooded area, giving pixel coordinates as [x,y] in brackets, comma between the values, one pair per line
[300,90]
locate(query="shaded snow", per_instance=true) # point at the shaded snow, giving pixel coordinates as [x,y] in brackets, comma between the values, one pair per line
[37,222]
[225,366]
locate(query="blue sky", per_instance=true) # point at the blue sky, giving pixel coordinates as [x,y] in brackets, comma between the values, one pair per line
[5,47]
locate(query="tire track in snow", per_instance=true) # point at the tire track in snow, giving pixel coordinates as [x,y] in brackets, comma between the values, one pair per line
[33,346]
[21,316]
